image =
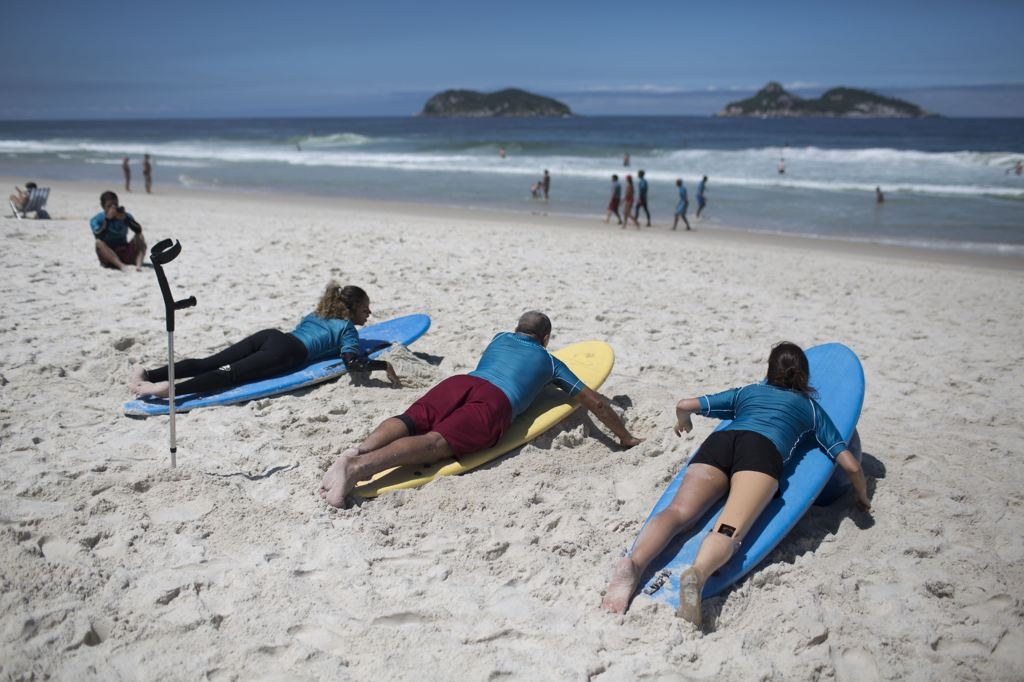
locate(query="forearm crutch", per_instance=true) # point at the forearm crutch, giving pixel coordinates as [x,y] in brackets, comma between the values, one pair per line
[164,252]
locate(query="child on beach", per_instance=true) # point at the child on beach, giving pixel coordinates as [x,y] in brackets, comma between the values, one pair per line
[743,461]
[327,332]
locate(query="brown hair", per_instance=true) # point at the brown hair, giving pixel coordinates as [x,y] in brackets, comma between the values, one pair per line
[340,302]
[788,368]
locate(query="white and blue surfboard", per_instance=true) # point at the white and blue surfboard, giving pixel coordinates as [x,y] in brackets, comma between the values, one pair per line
[837,375]
[373,340]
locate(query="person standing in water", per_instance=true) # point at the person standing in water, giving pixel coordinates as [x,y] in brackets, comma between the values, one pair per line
[127,171]
[147,173]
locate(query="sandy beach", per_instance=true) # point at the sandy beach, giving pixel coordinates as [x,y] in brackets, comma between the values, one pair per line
[117,567]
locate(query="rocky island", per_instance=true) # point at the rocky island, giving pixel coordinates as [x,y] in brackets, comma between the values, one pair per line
[508,102]
[772,101]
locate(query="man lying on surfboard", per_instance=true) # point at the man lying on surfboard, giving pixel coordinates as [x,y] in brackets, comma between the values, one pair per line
[743,461]
[467,413]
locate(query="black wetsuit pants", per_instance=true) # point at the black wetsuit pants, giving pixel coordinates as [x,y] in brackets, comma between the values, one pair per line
[642,204]
[265,354]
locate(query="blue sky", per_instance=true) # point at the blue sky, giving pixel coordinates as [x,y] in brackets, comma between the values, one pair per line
[110,59]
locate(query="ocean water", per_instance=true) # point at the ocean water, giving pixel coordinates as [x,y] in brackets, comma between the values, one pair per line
[948,183]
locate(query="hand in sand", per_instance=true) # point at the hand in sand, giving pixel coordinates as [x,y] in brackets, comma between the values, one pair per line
[393,376]
[683,424]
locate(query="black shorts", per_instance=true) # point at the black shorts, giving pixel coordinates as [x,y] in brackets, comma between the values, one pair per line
[733,451]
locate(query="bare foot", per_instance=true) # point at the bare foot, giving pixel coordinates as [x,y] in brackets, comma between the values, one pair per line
[621,587]
[690,585]
[137,377]
[336,484]
[160,390]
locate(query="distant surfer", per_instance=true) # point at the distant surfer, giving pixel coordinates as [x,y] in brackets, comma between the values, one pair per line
[467,413]
[625,159]
[501,152]
[681,207]
[743,462]
[782,167]
[879,197]
[327,332]
[1017,168]
[702,200]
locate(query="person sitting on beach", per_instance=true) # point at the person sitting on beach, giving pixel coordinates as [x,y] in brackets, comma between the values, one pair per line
[467,413]
[19,199]
[744,461]
[329,331]
[110,229]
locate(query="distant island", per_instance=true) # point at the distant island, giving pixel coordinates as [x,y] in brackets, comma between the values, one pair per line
[508,102]
[772,101]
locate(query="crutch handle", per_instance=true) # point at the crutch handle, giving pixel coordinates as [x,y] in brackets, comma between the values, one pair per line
[185,303]
[164,251]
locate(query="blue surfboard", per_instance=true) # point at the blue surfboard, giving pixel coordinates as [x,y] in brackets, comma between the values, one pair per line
[373,340]
[837,375]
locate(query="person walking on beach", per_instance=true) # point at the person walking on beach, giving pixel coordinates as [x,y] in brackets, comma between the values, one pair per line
[110,230]
[627,203]
[744,462]
[613,202]
[681,206]
[546,184]
[641,201]
[147,173]
[467,413]
[701,198]
[329,331]
[127,171]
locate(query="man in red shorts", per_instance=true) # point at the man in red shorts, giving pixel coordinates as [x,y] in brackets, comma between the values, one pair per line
[110,228]
[467,413]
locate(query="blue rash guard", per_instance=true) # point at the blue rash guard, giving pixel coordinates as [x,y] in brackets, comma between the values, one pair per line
[779,414]
[113,231]
[520,368]
[642,189]
[683,201]
[326,338]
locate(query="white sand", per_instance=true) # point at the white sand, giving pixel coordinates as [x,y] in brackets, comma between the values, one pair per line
[115,566]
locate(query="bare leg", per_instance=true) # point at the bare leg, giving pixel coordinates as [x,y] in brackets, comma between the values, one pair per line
[108,256]
[140,251]
[354,466]
[750,492]
[702,485]
[388,431]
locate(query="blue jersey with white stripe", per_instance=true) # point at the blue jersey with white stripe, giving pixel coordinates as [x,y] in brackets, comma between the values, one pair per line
[520,368]
[779,414]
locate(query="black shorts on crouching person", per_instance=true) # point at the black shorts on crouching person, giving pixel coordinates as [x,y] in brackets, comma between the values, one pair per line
[733,451]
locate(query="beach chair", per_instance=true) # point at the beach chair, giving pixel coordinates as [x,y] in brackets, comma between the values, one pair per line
[36,202]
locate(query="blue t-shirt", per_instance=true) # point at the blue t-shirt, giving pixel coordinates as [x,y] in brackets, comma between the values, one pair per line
[520,367]
[326,338]
[115,232]
[700,189]
[779,414]
[616,191]
[643,189]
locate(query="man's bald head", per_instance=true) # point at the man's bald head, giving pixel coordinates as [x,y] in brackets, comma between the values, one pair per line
[535,324]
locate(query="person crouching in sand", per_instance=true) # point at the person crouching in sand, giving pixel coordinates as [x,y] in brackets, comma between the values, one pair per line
[743,461]
[467,413]
[327,332]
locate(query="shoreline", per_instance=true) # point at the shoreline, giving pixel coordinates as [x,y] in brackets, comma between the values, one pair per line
[720,234]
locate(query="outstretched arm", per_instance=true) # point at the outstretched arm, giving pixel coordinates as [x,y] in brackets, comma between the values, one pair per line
[860,486]
[597,404]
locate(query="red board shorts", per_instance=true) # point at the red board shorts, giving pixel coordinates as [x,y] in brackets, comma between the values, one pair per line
[126,252]
[469,413]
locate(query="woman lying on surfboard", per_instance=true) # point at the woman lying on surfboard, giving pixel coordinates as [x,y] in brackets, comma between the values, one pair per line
[327,332]
[745,461]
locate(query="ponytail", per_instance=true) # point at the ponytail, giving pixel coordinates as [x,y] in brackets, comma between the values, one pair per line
[788,368]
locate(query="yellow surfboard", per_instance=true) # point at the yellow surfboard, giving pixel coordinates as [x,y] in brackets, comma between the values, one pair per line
[591,361]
